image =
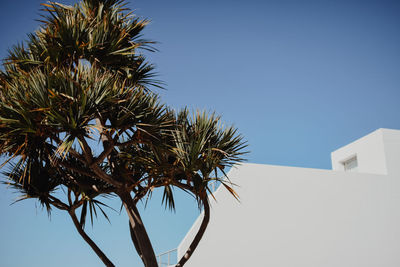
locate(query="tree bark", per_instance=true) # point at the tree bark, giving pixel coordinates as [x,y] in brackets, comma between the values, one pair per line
[135,242]
[90,242]
[198,236]
[143,243]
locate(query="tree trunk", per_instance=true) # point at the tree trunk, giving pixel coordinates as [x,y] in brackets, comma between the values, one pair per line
[143,243]
[198,236]
[88,240]
[135,242]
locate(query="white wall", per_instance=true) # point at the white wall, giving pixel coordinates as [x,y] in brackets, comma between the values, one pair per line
[303,217]
[391,140]
[369,151]
[298,217]
[376,152]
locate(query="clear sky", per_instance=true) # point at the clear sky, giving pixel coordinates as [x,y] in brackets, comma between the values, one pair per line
[299,78]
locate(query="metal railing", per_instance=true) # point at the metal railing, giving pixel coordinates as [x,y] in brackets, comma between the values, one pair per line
[167,258]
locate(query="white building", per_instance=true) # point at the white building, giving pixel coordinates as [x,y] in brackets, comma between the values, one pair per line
[290,217]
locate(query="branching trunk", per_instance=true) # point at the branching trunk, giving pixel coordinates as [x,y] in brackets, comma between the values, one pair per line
[140,235]
[88,240]
[198,236]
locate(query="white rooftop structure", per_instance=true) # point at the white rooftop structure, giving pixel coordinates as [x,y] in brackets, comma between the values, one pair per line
[299,217]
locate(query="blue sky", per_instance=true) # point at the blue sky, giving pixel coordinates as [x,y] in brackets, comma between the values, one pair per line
[298,78]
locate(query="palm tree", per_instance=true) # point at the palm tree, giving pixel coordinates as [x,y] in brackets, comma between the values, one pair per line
[81,78]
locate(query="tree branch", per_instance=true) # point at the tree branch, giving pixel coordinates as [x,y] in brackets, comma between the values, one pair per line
[104,154]
[140,234]
[87,151]
[105,137]
[58,203]
[71,211]
[88,240]
[135,242]
[76,169]
[198,236]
